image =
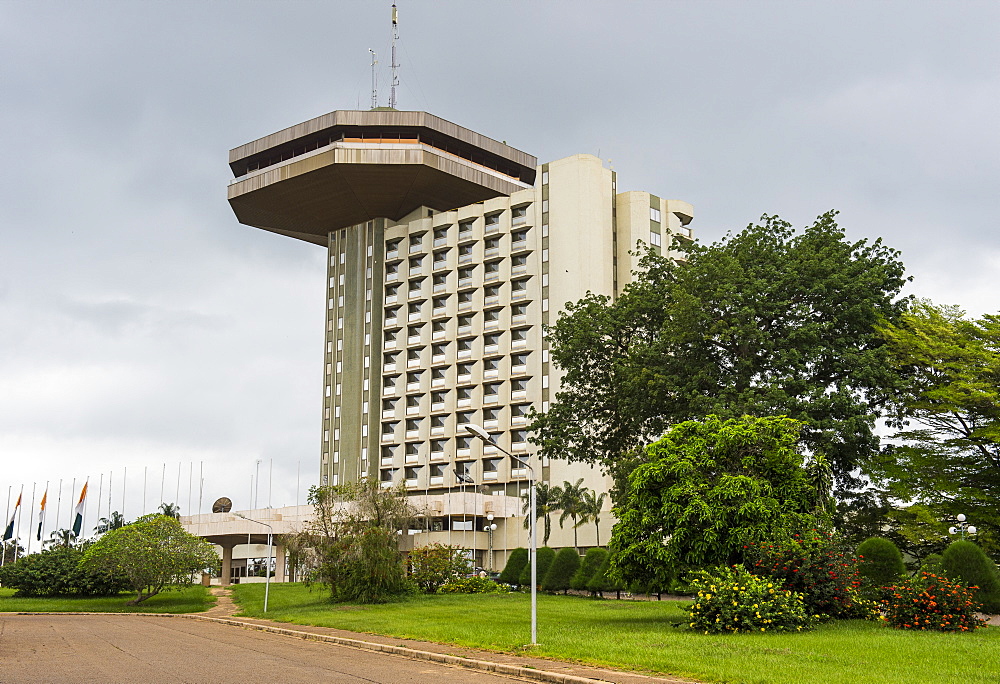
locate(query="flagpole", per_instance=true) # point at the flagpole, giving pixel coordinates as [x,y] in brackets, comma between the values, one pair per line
[111,486]
[124,485]
[163,480]
[201,483]
[144,468]
[72,490]
[100,495]
[31,516]
[19,512]
[190,477]
[59,503]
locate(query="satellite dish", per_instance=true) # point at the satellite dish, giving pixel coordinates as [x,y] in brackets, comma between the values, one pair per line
[223,505]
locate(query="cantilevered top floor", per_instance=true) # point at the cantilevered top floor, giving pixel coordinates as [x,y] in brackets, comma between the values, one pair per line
[347,167]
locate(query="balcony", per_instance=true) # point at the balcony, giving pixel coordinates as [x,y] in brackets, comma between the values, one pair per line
[391,298]
[413,339]
[392,253]
[464,403]
[491,398]
[519,420]
[441,241]
[388,390]
[519,294]
[464,379]
[490,475]
[462,451]
[413,386]
[491,276]
[413,363]
[439,358]
[437,430]
[436,480]
[416,247]
[492,324]
[392,276]
[437,406]
[491,374]
[464,353]
[491,349]
[412,410]
[518,344]
[519,370]
[491,424]
[464,282]
[412,434]
[386,461]
[464,235]
[517,269]
[437,382]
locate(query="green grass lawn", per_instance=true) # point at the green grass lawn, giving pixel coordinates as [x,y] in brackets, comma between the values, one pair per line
[187,600]
[640,635]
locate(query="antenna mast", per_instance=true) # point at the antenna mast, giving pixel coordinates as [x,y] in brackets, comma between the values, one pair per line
[395,66]
[374,80]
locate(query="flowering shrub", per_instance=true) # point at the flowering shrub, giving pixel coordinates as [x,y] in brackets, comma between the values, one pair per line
[932,602]
[471,585]
[815,564]
[733,600]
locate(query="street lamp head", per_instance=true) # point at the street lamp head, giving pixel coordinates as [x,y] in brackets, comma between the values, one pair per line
[489,516]
[972,529]
[952,530]
[493,527]
[478,431]
[961,517]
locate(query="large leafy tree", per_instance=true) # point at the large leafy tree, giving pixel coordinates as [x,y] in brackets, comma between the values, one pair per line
[710,490]
[351,544]
[947,449]
[768,321]
[153,552]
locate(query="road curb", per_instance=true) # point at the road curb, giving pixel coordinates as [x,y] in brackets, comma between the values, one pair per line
[414,654]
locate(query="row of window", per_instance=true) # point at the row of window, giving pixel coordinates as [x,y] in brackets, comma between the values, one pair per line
[462,473]
[463,327]
[393,361]
[491,293]
[492,270]
[463,376]
[465,248]
[439,236]
[491,416]
[439,331]
[491,318]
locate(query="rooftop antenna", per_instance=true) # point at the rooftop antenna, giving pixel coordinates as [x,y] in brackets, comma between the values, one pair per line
[395,66]
[374,80]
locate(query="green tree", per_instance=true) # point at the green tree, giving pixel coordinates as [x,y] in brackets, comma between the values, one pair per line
[605,579]
[57,571]
[947,453]
[710,490]
[543,557]
[880,562]
[171,510]
[61,537]
[764,322]
[114,521]
[151,553]
[547,500]
[591,562]
[433,565]
[964,560]
[351,542]
[516,562]
[561,570]
[593,504]
[572,504]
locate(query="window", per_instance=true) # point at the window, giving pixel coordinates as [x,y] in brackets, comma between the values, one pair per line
[440,236]
[389,384]
[519,414]
[519,263]
[464,301]
[464,324]
[491,418]
[389,362]
[465,254]
[387,455]
[412,404]
[492,222]
[518,215]
[391,272]
[440,282]
[414,288]
[491,343]
[462,419]
[518,389]
[491,466]
[413,334]
[437,449]
[437,425]
[492,247]
[519,364]
[465,372]
[462,448]
[413,311]
[391,294]
[545,177]
[437,473]
[392,315]
[389,339]
[438,377]
[416,242]
[416,265]
[440,306]
[655,239]
[438,353]
[388,408]
[465,229]
[519,312]
[412,428]
[519,289]
[464,395]
[464,349]
[492,295]
[412,452]
[491,393]
[437,401]
[519,240]
[654,214]
[413,381]
[441,259]
[392,249]
[492,271]
[385,477]
[411,473]
[388,429]
[491,369]
[465,276]
[438,329]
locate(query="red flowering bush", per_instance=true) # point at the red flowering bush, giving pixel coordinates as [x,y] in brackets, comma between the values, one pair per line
[815,564]
[932,602]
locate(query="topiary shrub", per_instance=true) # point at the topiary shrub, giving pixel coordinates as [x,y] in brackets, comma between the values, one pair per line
[471,585]
[561,570]
[734,600]
[591,562]
[603,580]
[516,562]
[931,602]
[816,564]
[932,564]
[57,572]
[543,557]
[880,564]
[965,561]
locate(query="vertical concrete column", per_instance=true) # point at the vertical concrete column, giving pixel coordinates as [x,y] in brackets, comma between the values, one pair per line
[279,563]
[227,563]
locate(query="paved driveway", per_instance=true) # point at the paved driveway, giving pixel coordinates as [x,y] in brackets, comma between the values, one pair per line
[131,649]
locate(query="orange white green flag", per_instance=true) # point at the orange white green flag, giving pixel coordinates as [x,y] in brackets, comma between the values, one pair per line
[9,532]
[41,513]
[78,518]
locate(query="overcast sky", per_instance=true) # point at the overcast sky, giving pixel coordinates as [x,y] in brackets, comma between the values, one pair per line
[141,325]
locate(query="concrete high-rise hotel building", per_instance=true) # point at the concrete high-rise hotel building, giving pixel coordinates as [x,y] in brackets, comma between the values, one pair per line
[448,254]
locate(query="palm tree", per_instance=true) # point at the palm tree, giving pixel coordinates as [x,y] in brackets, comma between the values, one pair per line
[546,502]
[114,521]
[60,538]
[592,505]
[171,510]
[572,503]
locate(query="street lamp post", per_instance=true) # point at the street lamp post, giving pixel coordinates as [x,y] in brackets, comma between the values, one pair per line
[962,527]
[490,529]
[267,566]
[483,435]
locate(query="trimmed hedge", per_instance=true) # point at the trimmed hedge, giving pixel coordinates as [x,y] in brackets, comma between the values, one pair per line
[965,561]
[591,562]
[57,572]
[561,571]
[880,562]
[516,562]
[544,557]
